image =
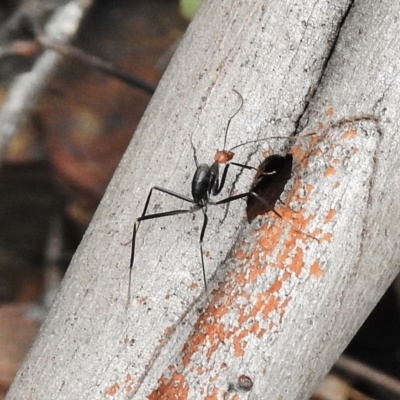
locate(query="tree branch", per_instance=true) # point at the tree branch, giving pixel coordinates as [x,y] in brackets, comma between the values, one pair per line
[284,306]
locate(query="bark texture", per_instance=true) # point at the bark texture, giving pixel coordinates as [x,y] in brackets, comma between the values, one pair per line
[283,305]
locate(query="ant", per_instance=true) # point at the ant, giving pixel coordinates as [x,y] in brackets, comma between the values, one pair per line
[205,184]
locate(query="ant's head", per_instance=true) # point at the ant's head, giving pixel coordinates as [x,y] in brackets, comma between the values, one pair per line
[223,156]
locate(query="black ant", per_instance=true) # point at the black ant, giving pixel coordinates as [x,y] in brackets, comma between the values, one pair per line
[205,183]
[272,176]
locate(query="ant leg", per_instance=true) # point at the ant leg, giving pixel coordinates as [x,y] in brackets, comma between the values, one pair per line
[128,300]
[146,205]
[166,191]
[233,198]
[224,173]
[203,231]
[217,190]
[135,229]
[244,166]
[153,216]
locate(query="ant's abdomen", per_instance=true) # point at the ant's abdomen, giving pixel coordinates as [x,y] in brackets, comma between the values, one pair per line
[202,181]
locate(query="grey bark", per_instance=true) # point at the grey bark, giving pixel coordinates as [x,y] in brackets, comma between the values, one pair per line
[284,305]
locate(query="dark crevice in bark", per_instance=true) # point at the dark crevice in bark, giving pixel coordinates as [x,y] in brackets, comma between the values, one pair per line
[313,88]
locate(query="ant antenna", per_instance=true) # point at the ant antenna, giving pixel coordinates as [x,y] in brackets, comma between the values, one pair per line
[334,124]
[234,115]
[269,138]
[194,151]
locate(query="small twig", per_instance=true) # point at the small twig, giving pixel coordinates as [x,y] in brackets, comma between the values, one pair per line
[96,62]
[26,89]
[366,373]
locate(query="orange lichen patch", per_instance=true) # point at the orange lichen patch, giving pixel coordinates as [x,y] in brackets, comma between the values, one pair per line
[269,241]
[199,370]
[336,185]
[263,304]
[242,316]
[112,390]
[350,134]
[329,217]
[261,333]
[193,285]
[217,331]
[174,388]
[275,286]
[297,221]
[213,396]
[335,161]
[129,381]
[271,305]
[329,112]
[239,344]
[211,331]
[207,328]
[268,306]
[314,139]
[300,187]
[254,327]
[142,300]
[316,270]
[220,311]
[213,348]
[242,277]
[326,237]
[285,212]
[271,326]
[355,150]
[129,389]
[320,126]
[168,330]
[255,271]
[255,309]
[297,262]
[330,171]
[207,254]
[316,152]
[298,153]
[240,255]
[192,345]
[271,238]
